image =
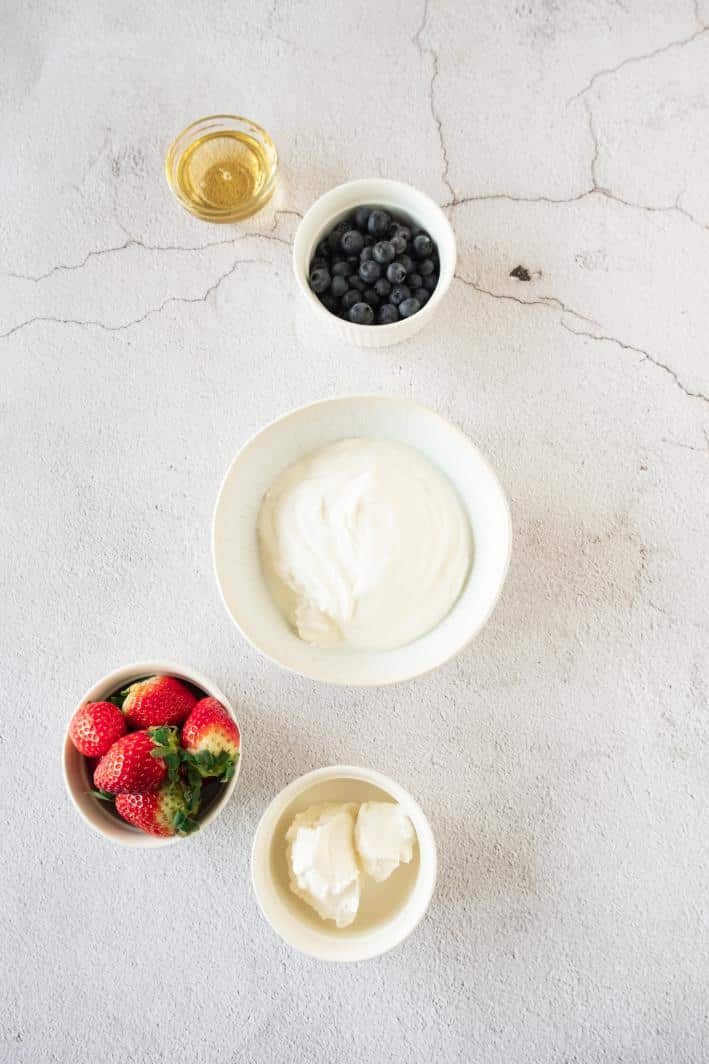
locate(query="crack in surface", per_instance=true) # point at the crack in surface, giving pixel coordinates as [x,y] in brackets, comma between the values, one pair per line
[641,58]
[152,311]
[646,357]
[133,242]
[428,50]
[542,301]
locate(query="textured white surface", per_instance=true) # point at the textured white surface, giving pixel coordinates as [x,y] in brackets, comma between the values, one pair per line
[563,758]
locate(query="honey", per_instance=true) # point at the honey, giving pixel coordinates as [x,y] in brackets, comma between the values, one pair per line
[222,168]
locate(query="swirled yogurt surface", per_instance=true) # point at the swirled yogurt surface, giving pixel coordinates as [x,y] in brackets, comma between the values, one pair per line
[364,544]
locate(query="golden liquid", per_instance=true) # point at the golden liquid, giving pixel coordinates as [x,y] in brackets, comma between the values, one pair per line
[223,171]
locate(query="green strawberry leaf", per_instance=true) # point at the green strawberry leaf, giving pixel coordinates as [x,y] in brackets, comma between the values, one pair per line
[183,823]
[228,773]
[116,700]
[105,796]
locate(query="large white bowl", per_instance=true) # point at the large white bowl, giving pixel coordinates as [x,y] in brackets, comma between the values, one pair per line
[274,448]
[77,776]
[399,903]
[406,201]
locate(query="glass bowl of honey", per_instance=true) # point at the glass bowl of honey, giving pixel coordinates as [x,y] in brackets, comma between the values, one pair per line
[222,168]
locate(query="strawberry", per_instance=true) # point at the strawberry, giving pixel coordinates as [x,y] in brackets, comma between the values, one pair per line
[95,728]
[211,738]
[156,701]
[140,761]
[162,812]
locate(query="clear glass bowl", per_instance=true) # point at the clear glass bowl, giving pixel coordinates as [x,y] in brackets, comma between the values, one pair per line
[222,168]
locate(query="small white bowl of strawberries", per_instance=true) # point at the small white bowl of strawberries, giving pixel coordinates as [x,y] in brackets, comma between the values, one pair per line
[152,754]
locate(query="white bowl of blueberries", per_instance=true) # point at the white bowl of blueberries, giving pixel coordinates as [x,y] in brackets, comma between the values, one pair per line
[374,258]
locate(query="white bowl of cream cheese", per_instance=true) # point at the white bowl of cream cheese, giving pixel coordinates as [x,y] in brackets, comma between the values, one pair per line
[392,900]
[361,540]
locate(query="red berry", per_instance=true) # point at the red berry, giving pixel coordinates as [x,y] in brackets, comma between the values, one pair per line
[156,701]
[162,812]
[211,735]
[95,727]
[130,766]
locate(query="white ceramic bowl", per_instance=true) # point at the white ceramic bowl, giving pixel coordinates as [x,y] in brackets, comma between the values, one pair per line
[388,911]
[408,202]
[78,780]
[235,547]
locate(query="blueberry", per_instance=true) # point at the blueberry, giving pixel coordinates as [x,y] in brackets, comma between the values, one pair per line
[404,232]
[421,294]
[339,286]
[423,245]
[341,269]
[362,217]
[370,271]
[352,242]
[407,262]
[320,280]
[361,314]
[365,254]
[395,272]
[399,244]
[426,267]
[379,222]
[369,241]
[335,236]
[383,252]
[429,283]
[370,296]
[414,280]
[329,301]
[382,287]
[387,314]
[351,297]
[398,294]
[323,249]
[407,307]
[319,263]
[356,282]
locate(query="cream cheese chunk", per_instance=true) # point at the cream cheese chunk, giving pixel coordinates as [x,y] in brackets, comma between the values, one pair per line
[384,838]
[322,862]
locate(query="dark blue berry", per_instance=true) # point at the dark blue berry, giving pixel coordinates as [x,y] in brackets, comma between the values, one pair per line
[365,254]
[341,269]
[319,263]
[352,242]
[421,294]
[387,314]
[398,294]
[383,252]
[351,297]
[370,296]
[335,236]
[362,217]
[429,283]
[378,222]
[414,280]
[407,307]
[361,314]
[320,280]
[395,272]
[405,232]
[407,262]
[426,267]
[369,241]
[423,245]
[339,286]
[328,300]
[382,287]
[370,271]
[399,244]
[323,249]
[357,282]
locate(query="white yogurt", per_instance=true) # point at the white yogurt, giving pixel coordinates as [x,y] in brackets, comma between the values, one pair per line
[364,544]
